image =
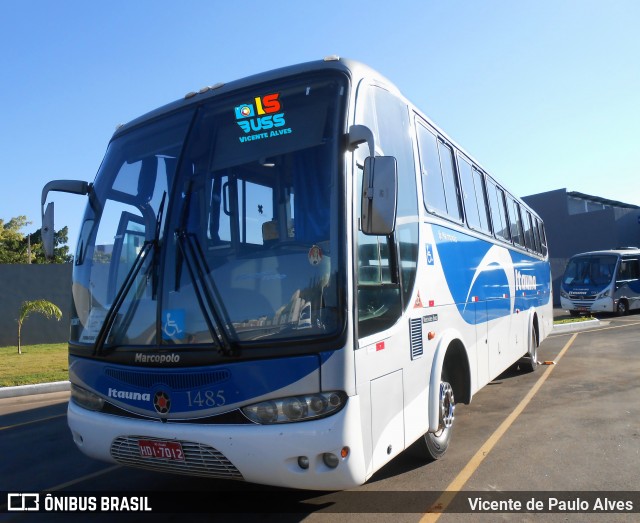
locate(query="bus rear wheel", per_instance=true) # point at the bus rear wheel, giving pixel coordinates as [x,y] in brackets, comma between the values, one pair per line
[437,443]
[530,362]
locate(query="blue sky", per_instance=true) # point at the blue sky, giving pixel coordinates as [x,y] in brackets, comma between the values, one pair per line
[544,94]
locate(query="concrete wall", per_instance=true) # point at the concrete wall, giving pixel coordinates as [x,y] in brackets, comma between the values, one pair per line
[32,282]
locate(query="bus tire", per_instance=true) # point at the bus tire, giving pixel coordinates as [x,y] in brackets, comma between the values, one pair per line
[530,361]
[622,308]
[437,443]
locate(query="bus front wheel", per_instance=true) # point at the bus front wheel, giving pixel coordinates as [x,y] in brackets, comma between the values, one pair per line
[437,443]
[622,308]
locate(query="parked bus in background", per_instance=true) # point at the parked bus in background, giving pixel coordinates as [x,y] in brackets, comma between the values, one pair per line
[602,281]
[289,279]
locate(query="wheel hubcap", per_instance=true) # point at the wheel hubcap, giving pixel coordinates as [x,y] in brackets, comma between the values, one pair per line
[447,405]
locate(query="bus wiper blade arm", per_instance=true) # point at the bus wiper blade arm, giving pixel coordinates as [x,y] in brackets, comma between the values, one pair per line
[207,294]
[120,297]
[156,248]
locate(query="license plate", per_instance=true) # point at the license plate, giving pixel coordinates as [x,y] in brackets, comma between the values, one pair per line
[169,450]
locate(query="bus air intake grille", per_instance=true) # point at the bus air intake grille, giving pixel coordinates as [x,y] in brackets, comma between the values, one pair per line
[199,460]
[175,380]
[415,329]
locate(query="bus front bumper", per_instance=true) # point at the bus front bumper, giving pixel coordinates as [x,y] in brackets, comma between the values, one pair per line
[599,305]
[265,454]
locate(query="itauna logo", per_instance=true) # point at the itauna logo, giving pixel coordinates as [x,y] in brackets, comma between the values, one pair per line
[525,282]
[261,114]
[128,395]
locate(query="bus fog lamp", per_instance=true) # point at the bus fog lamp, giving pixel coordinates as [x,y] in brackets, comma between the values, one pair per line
[303,462]
[330,460]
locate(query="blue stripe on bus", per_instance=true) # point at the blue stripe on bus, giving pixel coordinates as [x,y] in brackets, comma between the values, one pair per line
[480,272]
[202,390]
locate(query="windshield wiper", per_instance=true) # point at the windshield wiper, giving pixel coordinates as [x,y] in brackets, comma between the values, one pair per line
[156,248]
[207,294]
[121,295]
[206,291]
[124,289]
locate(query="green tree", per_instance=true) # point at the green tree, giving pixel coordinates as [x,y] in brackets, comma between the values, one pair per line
[44,307]
[60,249]
[14,246]
[12,249]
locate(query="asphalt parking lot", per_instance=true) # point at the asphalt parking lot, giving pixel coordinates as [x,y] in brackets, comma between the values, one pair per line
[570,431]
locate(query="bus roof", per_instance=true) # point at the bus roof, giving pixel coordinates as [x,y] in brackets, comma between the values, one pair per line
[197,97]
[618,251]
[352,68]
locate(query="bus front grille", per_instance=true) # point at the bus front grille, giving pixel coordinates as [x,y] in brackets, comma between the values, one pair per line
[199,459]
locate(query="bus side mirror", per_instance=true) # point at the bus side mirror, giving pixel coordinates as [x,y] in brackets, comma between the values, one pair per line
[379,195]
[359,134]
[47,231]
[70,186]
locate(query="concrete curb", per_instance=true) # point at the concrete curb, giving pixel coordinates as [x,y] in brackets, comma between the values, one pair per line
[576,326]
[41,388]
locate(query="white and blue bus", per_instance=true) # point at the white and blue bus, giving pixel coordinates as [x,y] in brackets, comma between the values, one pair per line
[291,278]
[602,281]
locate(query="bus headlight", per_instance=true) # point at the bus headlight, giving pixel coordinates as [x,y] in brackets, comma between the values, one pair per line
[86,399]
[564,294]
[603,294]
[295,408]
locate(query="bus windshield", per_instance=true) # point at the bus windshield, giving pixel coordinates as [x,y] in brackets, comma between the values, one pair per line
[590,270]
[218,225]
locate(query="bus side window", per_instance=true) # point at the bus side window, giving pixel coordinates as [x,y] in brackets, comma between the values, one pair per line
[536,234]
[629,270]
[481,197]
[439,181]
[498,211]
[432,186]
[516,222]
[380,286]
[543,237]
[394,136]
[469,193]
[454,209]
[474,196]
[528,231]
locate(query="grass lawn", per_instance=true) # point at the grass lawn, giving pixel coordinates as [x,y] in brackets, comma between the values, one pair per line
[49,362]
[573,320]
[37,364]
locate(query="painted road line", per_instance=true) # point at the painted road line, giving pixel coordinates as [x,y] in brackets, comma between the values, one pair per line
[32,421]
[461,479]
[68,484]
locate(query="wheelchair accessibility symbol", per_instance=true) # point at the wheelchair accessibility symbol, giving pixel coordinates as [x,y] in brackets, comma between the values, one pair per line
[173,324]
[430,260]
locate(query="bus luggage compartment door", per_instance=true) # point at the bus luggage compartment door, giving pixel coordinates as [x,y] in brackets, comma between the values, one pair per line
[387,419]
